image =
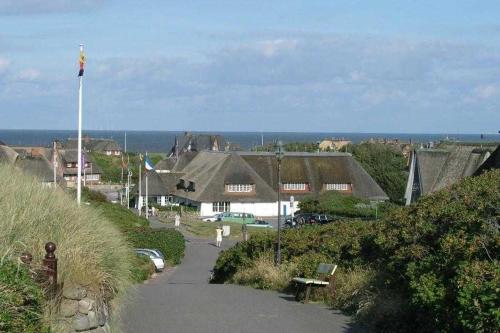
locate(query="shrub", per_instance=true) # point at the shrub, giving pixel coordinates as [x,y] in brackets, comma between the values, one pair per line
[429,267]
[169,242]
[90,250]
[142,268]
[263,273]
[21,300]
[442,255]
[336,203]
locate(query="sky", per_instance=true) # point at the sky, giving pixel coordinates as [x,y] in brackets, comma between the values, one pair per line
[386,66]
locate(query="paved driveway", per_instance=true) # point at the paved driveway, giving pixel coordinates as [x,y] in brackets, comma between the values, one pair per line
[181,300]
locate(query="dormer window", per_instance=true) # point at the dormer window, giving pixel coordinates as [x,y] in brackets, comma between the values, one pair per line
[295,187]
[239,188]
[338,187]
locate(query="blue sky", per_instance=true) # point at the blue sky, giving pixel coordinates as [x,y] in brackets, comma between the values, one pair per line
[337,66]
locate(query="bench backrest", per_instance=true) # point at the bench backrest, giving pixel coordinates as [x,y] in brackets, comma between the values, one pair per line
[326,271]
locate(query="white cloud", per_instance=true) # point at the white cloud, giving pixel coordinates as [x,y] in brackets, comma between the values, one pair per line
[29,74]
[486,91]
[326,82]
[270,48]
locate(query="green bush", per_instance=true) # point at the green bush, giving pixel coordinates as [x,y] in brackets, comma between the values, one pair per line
[430,267]
[142,268]
[21,300]
[338,204]
[169,242]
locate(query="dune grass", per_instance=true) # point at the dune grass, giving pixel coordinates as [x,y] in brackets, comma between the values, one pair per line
[91,251]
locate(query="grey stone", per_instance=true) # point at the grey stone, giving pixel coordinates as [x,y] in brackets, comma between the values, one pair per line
[81,323]
[101,317]
[92,319]
[68,307]
[85,305]
[74,292]
[99,330]
[107,328]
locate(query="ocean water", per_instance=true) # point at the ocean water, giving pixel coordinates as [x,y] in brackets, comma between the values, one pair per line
[162,141]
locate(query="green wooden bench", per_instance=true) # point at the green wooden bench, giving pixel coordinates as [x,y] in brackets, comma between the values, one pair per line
[326,278]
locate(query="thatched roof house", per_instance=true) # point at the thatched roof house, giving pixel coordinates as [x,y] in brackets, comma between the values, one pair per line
[107,146]
[247,181]
[435,169]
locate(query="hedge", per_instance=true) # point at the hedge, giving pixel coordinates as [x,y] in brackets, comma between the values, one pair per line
[169,242]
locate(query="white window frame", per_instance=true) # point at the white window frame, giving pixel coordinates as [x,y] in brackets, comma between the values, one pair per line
[294,186]
[239,188]
[337,187]
[221,206]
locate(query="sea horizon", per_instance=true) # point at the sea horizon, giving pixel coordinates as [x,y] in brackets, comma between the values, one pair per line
[162,140]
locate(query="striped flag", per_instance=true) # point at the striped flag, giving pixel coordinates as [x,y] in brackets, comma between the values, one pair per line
[82,60]
[148,164]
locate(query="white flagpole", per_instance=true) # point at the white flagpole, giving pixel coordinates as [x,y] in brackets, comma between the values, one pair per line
[54,164]
[79,176]
[139,203]
[147,209]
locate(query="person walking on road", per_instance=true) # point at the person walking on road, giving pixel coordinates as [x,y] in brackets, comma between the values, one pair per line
[177,220]
[218,240]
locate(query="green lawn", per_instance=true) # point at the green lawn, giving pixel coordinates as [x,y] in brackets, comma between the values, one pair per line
[207,229]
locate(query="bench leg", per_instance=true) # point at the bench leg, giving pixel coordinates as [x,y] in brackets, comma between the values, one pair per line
[297,293]
[308,292]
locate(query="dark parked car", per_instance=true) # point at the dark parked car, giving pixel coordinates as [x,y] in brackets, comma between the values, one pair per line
[321,219]
[298,220]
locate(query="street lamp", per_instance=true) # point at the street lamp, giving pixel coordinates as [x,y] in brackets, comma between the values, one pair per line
[279,156]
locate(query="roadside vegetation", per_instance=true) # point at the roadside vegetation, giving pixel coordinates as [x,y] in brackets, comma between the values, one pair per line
[21,300]
[91,251]
[430,267]
[343,206]
[111,166]
[137,231]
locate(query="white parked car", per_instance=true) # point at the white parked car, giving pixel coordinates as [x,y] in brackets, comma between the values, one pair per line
[155,258]
[214,218]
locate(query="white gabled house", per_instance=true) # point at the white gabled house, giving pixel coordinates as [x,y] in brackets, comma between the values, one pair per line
[247,182]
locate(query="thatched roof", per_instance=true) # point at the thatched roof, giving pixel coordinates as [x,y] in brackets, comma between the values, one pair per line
[156,187]
[439,168]
[493,162]
[166,164]
[316,169]
[38,167]
[91,144]
[7,155]
[209,172]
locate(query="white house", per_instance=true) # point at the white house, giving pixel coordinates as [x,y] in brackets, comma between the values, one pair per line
[247,182]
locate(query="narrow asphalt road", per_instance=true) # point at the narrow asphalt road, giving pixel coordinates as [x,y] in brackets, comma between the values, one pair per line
[181,300]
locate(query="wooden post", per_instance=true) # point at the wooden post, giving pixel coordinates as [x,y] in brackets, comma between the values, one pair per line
[50,267]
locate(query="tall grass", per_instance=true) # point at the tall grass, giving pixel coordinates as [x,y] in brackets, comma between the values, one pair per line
[91,251]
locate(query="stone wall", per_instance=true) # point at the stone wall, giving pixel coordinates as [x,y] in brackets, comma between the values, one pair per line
[84,312]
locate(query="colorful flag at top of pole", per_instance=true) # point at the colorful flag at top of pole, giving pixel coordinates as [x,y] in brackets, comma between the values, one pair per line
[148,164]
[82,60]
